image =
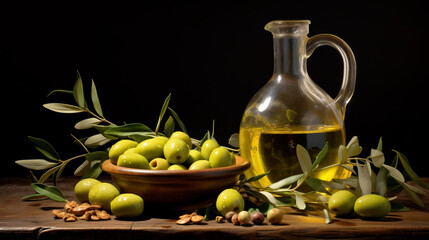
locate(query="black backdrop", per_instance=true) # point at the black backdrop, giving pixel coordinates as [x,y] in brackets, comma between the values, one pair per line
[212,57]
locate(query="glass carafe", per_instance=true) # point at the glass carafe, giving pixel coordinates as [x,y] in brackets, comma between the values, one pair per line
[291,109]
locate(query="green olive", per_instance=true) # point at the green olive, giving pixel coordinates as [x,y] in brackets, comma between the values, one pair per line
[182,136]
[200,164]
[119,148]
[194,155]
[207,148]
[130,150]
[102,194]
[342,202]
[127,205]
[150,149]
[372,206]
[82,188]
[133,160]
[176,151]
[161,139]
[220,157]
[177,167]
[159,164]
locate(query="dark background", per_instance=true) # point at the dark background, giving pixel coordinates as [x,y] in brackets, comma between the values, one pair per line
[212,56]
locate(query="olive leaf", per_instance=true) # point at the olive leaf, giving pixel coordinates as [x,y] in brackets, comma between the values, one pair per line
[343,154]
[63,108]
[300,203]
[381,182]
[78,93]
[45,148]
[95,100]
[48,173]
[95,170]
[176,117]
[303,159]
[316,184]
[234,140]
[169,126]
[257,177]
[162,112]
[96,140]
[87,123]
[414,197]
[320,156]
[353,146]
[405,163]
[377,157]
[364,177]
[82,169]
[395,173]
[328,218]
[380,145]
[59,90]
[129,129]
[51,192]
[35,164]
[286,181]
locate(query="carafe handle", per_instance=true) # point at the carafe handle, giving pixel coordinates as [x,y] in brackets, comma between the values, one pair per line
[349,62]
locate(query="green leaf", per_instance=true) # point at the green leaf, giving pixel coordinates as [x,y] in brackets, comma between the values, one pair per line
[353,146]
[414,197]
[49,191]
[381,182]
[45,148]
[286,181]
[162,112]
[343,154]
[128,130]
[398,207]
[303,159]
[34,197]
[316,184]
[364,177]
[48,173]
[95,100]
[377,157]
[380,145]
[395,173]
[257,177]
[97,155]
[82,169]
[405,163]
[169,126]
[320,156]
[300,204]
[36,164]
[96,140]
[78,92]
[60,90]
[206,136]
[176,117]
[87,123]
[63,108]
[94,171]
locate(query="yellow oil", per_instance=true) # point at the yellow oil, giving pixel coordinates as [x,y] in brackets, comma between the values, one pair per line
[275,151]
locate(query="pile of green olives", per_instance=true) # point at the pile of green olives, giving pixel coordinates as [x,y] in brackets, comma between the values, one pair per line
[174,153]
[344,203]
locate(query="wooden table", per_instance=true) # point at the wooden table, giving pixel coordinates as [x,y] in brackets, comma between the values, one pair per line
[34,220]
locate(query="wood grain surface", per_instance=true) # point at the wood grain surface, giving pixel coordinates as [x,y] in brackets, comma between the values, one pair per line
[34,220]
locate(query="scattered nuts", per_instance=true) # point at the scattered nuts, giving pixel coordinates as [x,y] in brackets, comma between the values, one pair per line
[85,211]
[197,219]
[275,216]
[220,219]
[184,220]
[190,218]
[257,218]
[229,215]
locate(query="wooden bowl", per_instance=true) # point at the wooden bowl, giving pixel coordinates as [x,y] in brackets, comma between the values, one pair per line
[178,189]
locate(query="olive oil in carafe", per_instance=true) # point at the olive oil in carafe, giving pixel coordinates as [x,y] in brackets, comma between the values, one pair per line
[275,151]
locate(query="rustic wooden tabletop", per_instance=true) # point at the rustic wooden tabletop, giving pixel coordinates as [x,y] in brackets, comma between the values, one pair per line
[34,220]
